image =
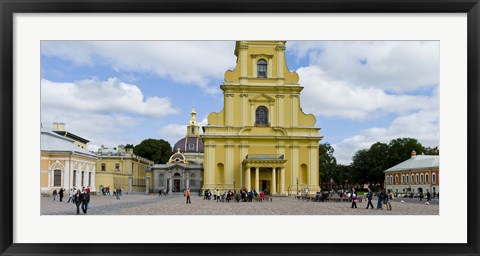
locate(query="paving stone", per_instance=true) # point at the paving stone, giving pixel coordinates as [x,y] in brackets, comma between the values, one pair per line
[176,205]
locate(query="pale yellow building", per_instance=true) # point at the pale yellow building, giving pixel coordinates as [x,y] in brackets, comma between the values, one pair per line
[121,168]
[63,164]
[261,139]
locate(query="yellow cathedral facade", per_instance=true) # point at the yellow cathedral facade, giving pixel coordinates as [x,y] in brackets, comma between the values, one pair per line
[261,139]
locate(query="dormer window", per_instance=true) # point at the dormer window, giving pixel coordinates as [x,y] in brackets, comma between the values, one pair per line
[262,68]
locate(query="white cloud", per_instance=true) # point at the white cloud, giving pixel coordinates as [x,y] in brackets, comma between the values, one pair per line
[365,80]
[188,62]
[111,96]
[104,112]
[422,125]
[399,66]
[173,132]
[325,96]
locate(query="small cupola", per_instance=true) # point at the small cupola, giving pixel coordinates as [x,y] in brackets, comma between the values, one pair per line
[414,154]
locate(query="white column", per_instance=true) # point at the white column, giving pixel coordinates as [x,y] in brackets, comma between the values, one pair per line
[170,185]
[147,185]
[257,179]
[93,185]
[274,182]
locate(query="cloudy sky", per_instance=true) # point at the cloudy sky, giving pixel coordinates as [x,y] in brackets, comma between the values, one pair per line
[119,92]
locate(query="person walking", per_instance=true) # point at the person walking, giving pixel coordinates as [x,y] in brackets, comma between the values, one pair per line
[354,198]
[380,196]
[390,197]
[54,194]
[117,193]
[78,200]
[60,194]
[369,198]
[85,201]
[429,197]
[187,194]
[72,194]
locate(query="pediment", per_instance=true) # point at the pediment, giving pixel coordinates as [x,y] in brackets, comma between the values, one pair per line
[262,98]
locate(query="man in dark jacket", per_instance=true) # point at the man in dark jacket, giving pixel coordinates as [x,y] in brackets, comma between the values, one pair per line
[60,193]
[85,200]
[369,198]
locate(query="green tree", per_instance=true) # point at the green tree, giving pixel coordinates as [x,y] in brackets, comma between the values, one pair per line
[432,151]
[401,149]
[159,151]
[378,161]
[342,175]
[128,146]
[327,162]
[360,167]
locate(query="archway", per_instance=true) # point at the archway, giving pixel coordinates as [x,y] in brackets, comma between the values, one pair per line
[176,182]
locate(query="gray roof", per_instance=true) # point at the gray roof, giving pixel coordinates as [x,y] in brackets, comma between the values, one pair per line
[52,142]
[417,162]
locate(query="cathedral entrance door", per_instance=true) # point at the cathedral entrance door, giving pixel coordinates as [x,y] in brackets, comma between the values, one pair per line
[176,185]
[265,184]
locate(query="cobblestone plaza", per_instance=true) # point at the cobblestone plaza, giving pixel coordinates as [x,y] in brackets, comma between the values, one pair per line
[175,205]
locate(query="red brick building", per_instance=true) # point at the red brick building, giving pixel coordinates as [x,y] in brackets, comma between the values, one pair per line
[419,173]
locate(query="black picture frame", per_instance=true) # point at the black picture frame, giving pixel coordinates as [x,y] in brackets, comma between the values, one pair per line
[9,7]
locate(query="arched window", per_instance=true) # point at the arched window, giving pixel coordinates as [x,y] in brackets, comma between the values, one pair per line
[434,178]
[262,68]
[403,179]
[416,178]
[406,177]
[412,181]
[426,177]
[261,116]
[74,178]
[391,179]
[421,178]
[396,179]
[57,178]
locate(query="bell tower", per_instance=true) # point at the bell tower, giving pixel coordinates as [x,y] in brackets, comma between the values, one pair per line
[261,139]
[192,128]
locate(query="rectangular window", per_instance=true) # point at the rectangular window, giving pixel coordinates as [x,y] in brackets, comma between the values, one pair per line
[83,174]
[74,178]
[89,179]
[57,178]
[104,167]
[117,167]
